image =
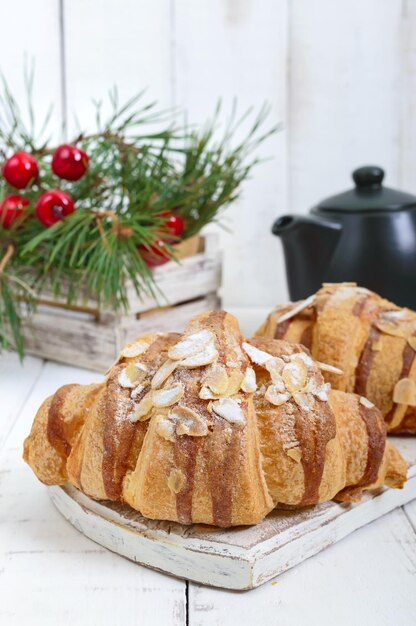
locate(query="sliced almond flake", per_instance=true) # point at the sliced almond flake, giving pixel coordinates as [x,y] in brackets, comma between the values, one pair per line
[131,375]
[412,343]
[405,392]
[325,367]
[137,391]
[295,454]
[294,375]
[302,356]
[189,422]
[207,356]
[176,480]
[319,390]
[345,284]
[396,314]
[163,373]
[303,400]
[134,349]
[391,329]
[125,381]
[275,366]
[259,357]
[230,410]
[141,411]
[234,384]
[276,397]
[249,384]
[290,444]
[366,403]
[206,394]
[235,379]
[296,309]
[279,384]
[216,379]
[192,428]
[190,345]
[168,395]
[165,428]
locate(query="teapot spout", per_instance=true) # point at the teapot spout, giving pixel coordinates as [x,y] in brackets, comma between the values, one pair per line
[308,245]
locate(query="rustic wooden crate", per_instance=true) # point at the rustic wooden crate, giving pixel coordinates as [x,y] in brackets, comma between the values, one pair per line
[84,336]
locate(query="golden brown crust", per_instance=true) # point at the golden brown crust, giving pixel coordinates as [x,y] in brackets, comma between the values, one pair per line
[371,340]
[123,439]
[205,428]
[55,431]
[312,429]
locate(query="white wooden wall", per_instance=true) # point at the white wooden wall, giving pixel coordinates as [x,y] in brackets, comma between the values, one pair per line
[340,76]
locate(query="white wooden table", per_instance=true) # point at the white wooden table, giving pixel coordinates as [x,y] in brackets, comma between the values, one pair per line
[50,574]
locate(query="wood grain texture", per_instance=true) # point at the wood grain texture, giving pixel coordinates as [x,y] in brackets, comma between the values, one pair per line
[92,338]
[111,44]
[345,94]
[64,577]
[226,49]
[368,578]
[31,35]
[16,382]
[408,96]
[344,88]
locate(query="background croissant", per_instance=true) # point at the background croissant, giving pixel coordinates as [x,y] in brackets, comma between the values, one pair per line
[204,427]
[370,339]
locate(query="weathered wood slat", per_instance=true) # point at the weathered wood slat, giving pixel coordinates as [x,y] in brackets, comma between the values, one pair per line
[16,382]
[163,320]
[194,276]
[79,339]
[342,114]
[228,51]
[49,573]
[92,339]
[366,579]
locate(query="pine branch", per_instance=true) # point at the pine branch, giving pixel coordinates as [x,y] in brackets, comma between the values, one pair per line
[141,165]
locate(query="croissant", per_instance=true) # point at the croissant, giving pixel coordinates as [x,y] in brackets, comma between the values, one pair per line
[370,339]
[205,427]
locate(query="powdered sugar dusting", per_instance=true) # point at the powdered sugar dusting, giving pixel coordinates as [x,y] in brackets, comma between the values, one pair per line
[230,410]
[257,356]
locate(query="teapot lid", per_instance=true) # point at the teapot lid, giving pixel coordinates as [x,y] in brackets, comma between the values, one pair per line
[369,195]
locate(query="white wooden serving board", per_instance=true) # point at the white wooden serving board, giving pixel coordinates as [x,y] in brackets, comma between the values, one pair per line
[236,558]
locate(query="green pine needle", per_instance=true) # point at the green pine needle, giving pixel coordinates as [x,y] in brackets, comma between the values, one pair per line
[141,164]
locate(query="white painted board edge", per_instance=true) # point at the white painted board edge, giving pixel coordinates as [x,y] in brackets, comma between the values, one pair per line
[241,558]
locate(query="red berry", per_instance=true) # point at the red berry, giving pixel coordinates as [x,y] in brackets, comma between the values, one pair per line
[54,205]
[11,209]
[69,162]
[20,170]
[174,223]
[154,255]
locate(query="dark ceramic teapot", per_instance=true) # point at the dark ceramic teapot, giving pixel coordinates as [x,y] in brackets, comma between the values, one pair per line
[366,235]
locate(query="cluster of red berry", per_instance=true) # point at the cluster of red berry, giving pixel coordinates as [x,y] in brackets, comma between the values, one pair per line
[157,254]
[21,170]
[70,163]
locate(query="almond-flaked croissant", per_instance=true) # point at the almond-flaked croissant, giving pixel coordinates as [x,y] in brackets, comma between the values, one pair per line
[205,427]
[370,339]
